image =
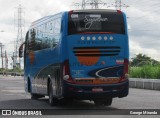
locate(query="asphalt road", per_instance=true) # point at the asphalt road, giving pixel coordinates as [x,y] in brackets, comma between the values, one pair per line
[13,96]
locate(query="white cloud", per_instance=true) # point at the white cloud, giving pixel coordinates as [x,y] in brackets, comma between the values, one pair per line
[143,15]
[136,48]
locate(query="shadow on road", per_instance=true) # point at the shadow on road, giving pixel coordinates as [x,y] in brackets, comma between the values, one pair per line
[43,104]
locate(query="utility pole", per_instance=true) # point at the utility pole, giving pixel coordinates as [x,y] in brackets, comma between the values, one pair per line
[83,4]
[20,23]
[6,60]
[1,45]
[118,4]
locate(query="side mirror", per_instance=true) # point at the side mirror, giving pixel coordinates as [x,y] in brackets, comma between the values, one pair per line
[21,50]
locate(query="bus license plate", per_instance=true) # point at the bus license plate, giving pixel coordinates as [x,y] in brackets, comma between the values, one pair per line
[97,89]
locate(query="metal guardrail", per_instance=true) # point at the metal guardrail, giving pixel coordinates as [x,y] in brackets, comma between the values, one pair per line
[151,84]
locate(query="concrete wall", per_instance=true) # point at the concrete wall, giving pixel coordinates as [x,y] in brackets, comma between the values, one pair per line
[151,84]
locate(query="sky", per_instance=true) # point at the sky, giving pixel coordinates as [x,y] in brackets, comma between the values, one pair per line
[142,16]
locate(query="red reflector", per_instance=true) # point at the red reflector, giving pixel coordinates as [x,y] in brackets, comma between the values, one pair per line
[120,61]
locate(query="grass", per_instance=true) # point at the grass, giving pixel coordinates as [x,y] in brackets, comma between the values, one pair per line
[147,71]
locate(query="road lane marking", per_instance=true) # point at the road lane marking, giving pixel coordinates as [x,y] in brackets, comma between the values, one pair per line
[14,91]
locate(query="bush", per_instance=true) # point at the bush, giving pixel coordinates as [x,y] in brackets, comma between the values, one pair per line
[146,71]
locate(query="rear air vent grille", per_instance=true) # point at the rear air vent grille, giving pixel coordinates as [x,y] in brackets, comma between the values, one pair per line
[97,51]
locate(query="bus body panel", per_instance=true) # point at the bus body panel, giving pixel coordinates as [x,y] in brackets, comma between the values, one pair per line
[42,65]
[85,92]
[86,56]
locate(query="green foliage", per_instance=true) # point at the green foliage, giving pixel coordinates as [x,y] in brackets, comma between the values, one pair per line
[142,60]
[18,70]
[135,72]
[143,66]
[11,70]
[146,71]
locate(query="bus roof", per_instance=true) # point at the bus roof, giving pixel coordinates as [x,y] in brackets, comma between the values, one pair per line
[44,19]
[96,10]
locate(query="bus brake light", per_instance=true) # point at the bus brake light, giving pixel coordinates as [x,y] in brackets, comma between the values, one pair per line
[66,72]
[126,63]
[125,75]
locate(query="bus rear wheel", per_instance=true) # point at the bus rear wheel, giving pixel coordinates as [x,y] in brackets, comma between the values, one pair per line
[52,100]
[105,102]
[36,96]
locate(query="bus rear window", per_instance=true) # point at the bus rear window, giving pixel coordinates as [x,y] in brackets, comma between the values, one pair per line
[96,22]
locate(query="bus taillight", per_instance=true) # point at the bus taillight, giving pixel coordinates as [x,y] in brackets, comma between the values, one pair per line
[125,76]
[126,63]
[66,72]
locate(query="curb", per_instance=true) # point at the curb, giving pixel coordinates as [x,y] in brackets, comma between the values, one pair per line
[151,84]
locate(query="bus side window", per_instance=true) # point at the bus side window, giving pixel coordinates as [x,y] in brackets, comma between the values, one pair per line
[61,26]
[32,34]
[27,43]
[38,39]
[57,31]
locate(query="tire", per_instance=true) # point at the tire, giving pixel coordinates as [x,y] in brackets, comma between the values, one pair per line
[36,96]
[106,102]
[98,102]
[52,100]
[66,101]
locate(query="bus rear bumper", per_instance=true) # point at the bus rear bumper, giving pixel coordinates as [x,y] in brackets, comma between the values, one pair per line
[85,92]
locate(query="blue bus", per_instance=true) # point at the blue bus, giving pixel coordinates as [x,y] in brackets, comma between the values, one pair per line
[78,54]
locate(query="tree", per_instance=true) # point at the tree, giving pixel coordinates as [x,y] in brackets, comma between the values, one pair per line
[142,59]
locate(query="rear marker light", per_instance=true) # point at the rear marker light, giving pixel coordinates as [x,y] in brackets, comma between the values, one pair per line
[82,38]
[71,12]
[119,11]
[88,38]
[111,38]
[105,38]
[100,38]
[93,38]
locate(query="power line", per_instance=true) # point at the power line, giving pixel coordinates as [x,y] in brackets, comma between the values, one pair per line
[94,4]
[119,4]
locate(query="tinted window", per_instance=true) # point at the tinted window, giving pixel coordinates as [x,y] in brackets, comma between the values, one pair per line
[30,40]
[48,34]
[96,22]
